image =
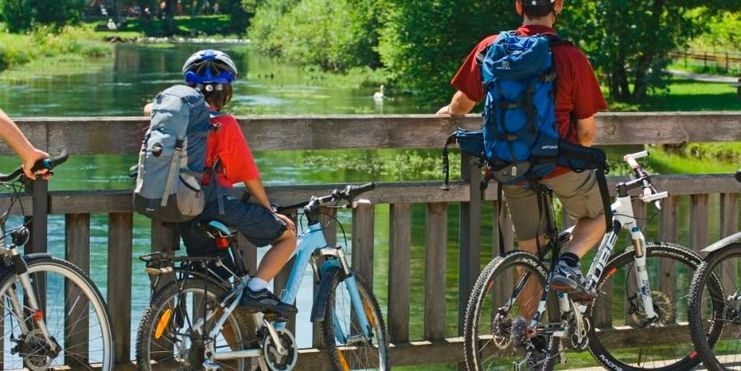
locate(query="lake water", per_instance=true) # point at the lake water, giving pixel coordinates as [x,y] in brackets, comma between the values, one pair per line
[121,86]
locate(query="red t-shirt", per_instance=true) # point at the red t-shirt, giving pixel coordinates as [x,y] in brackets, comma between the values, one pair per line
[578,91]
[227,143]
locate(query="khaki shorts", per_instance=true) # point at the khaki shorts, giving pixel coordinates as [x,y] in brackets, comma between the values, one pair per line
[578,192]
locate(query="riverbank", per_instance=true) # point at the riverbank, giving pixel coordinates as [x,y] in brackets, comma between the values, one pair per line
[68,50]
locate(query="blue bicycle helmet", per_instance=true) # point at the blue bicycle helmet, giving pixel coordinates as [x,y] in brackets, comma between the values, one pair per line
[209,69]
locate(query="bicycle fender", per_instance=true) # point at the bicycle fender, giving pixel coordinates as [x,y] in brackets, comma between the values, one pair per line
[6,269]
[728,241]
[328,271]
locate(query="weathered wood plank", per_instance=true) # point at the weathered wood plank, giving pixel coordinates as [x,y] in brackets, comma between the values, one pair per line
[668,220]
[699,220]
[362,241]
[399,280]
[469,235]
[71,202]
[77,251]
[102,135]
[436,243]
[120,248]
[729,226]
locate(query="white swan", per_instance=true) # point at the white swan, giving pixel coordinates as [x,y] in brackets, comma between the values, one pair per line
[378,96]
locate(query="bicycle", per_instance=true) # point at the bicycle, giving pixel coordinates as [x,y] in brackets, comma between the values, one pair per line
[712,311]
[52,311]
[195,321]
[513,317]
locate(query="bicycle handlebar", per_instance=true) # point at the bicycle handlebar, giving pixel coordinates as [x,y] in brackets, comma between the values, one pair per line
[47,163]
[349,193]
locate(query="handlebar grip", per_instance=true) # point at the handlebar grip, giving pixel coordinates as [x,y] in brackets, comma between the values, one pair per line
[353,191]
[631,158]
[738,176]
[50,163]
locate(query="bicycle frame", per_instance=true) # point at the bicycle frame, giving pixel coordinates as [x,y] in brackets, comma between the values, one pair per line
[623,219]
[310,242]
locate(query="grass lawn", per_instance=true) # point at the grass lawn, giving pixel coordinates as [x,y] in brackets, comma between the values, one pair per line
[686,95]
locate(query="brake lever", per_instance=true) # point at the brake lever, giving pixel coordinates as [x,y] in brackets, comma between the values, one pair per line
[356,203]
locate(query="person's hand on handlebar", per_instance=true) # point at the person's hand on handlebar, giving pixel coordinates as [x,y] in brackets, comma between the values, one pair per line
[28,164]
[29,154]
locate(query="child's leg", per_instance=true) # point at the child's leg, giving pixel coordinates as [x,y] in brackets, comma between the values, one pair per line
[277,256]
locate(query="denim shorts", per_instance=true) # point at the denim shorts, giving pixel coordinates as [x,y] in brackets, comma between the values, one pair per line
[258,224]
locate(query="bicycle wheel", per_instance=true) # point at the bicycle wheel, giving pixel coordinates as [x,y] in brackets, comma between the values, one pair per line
[663,343]
[171,332]
[74,312]
[714,310]
[346,345]
[501,306]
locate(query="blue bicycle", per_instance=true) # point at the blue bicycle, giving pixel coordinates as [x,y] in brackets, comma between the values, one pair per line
[195,322]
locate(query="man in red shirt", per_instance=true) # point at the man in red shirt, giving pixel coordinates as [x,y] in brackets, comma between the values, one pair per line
[578,99]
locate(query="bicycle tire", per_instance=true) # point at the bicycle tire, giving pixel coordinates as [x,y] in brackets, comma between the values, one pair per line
[721,319]
[173,298]
[497,277]
[668,346]
[74,311]
[338,313]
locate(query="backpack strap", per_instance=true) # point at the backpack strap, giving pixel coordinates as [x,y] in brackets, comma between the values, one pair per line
[172,171]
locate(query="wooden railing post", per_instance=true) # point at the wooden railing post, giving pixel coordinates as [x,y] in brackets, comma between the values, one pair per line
[699,220]
[729,226]
[436,243]
[77,251]
[399,279]
[362,241]
[120,241]
[469,238]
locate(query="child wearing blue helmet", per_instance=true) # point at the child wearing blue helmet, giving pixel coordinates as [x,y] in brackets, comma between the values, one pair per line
[212,72]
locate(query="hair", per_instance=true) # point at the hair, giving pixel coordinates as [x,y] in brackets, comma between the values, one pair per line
[218,98]
[537,11]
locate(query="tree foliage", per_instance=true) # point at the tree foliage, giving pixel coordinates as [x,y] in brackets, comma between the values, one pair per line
[423,43]
[22,15]
[332,34]
[632,50]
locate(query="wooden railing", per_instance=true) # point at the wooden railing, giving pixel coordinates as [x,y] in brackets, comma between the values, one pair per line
[437,345]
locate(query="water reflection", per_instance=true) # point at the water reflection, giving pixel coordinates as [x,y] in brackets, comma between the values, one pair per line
[135,73]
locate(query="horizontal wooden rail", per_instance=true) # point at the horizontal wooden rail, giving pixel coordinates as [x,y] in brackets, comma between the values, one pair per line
[123,135]
[70,202]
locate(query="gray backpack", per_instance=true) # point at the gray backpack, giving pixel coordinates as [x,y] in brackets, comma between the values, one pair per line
[171,161]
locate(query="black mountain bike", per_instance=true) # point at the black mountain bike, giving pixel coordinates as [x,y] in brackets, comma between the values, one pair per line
[718,310]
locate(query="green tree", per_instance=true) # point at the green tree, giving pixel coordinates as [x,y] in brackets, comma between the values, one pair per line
[332,34]
[632,50]
[424,42]
[17,14]
[22,15]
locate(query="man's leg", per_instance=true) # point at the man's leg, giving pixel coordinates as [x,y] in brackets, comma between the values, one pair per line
[580,196]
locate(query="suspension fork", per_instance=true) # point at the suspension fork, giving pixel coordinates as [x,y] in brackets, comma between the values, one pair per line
[641,273]
[21,271]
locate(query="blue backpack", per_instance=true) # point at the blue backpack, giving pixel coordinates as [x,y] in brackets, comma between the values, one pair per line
[519,114]
[519,138]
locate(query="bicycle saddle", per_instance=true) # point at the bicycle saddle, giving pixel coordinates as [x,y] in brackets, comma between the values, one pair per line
[214,229]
